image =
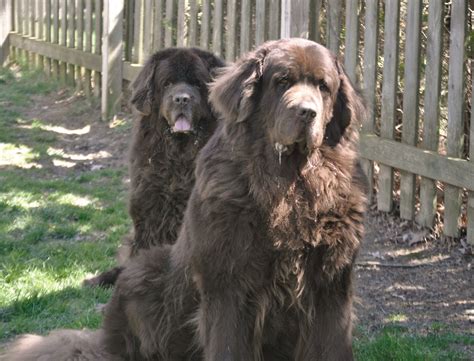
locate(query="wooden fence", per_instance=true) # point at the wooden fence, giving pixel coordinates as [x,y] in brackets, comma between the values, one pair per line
[413,58]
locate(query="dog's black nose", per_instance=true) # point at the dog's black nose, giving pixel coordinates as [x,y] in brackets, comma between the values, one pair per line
[181,98]
[306,113]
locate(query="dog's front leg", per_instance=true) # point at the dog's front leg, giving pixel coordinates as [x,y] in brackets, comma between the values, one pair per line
[329,329]
[225,327]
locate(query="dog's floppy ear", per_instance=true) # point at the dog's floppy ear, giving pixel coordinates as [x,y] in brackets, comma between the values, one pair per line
[143,87]
[230,94]
[348,113]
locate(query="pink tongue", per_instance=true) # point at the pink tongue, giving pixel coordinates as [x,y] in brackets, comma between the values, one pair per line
[182,125]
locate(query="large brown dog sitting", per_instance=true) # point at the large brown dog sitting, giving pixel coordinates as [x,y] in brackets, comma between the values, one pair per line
[262,266]
[174,121]
[263,263]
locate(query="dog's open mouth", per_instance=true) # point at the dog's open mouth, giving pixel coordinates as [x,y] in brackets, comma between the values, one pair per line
[182,125]
[286,150]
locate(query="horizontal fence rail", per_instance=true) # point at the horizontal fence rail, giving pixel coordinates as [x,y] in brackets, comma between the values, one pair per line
[413,60]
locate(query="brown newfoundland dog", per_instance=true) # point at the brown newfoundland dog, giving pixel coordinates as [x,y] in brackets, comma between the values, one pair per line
[174,121]
[263,263]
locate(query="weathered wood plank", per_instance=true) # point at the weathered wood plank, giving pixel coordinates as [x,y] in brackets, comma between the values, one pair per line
[260,22]
[470,198]
[112,57]
[455,171]
[205,24]
[231,30]
[32,20]
[63,40]
[130,71]
[334,14]
[285,23]
[428,198]
[88,46]
[274,20]
[352,38]
[79,40]
[47,33]
[97,43]
[299,24]
[158,26]
[314,14]
[6,27]
[245,17]
[371,36]
[181,24]
[410,103]
[57,52]
[389,92]
[71,10]
[137,54]
[169,23]
[55,36]
[40,28]
[455,138]
[193,15]
[147,28]
[217,27]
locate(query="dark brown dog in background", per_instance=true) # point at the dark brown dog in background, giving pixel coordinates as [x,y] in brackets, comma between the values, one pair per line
[174,121]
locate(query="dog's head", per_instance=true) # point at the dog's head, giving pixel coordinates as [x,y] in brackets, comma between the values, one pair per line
[297,89]
[173,86]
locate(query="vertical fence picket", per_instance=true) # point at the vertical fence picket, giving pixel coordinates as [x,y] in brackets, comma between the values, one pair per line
[274,20]
[430,141]
[158,25]
[371,36]
[47,33]
[455,139]
[40,28]
[79,40]
[260,22]
[231,30]
[352,39]
[5,28]
[205,18]
[112,57]
[97,42]
[181,24]
[147,28]
[193,14]
[32,6]
[389,93]
[88,46]
[26,30]
[314,12]
[137,54]
[333,25]
[169,14]
[470,197]
[55,36]
[410,103]
[63,40]
[71,10]
[217,27]
[245,24]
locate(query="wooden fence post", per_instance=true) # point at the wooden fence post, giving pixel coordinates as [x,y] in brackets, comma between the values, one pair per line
[294,18]
[5,28]
[112,57]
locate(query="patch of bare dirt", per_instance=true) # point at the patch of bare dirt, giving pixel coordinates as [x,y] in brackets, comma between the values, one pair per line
[81,140]
[404,276]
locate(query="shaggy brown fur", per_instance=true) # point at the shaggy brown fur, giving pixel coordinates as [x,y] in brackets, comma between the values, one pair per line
[263,263]
[174,121]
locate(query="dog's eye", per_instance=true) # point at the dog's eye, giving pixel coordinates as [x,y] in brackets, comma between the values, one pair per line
[323,86]
[167,84]
[283,81]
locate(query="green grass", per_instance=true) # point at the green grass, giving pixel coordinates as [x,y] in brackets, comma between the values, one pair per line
[395,343]
[54,230]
